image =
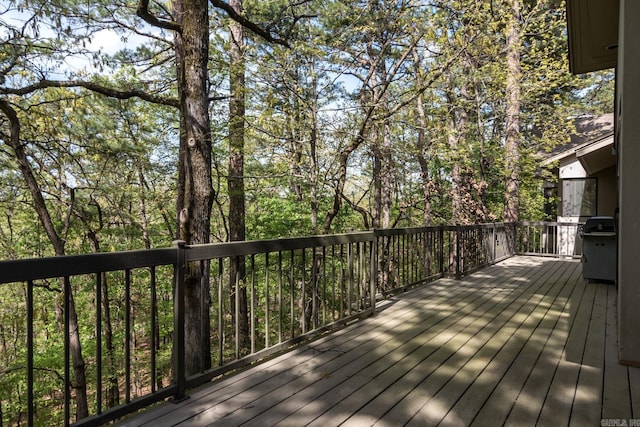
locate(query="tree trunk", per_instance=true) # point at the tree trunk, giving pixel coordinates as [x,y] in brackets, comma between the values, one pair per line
[454,127]
[237,232]
[80,383]
[423,147]
[386,172]
[77,361]
[512,126]
[195,185]
[313,152]
[295,125]
[423,160]
[378,54]
[376,172]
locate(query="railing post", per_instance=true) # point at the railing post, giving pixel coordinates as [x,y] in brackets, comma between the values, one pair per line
[178,324]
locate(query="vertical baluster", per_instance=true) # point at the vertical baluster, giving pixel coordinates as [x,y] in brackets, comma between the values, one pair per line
[324,285]
[205,295]
[314,289]
[405,259]
[333,283]
[236,308]
[303,298]
[342,281]
[154,327]
[416,254]
[493,244]
[98,295]
[356,275]
[67,349]
[457,255]
[394,271]
[441,250]
[292,292]
[350,277]
[252,313]
[361,276]
[30,378]
[373,266]
[127,328]
[267,302]
[220,313]
[280,299]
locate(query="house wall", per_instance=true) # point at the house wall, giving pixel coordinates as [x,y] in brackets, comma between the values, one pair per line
[628,110]
[607,200]
[571,168]
[569,243]
[607,191]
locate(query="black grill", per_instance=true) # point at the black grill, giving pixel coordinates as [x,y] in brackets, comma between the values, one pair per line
[599,249]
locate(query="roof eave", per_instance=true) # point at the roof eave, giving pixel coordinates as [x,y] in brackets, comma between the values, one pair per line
[592,27]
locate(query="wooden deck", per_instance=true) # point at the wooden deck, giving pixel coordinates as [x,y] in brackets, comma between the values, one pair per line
[525,342]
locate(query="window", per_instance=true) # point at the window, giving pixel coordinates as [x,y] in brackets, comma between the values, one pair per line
[579,197]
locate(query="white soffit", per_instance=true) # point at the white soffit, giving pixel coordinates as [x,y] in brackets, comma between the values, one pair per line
[597,156]
[593,34]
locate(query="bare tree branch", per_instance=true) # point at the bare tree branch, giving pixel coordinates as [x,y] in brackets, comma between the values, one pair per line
[365,214]
[94,87]
[432,79]
[22,368]
[143,12]
[220,4]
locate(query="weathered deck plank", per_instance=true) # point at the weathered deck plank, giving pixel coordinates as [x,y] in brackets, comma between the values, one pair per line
[393,380]
[429,403]
[560,396]
[492,404]
[350,371]
[524,342]
[529,404]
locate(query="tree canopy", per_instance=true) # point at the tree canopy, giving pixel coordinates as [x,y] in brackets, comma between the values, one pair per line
[358,114]
[127,124]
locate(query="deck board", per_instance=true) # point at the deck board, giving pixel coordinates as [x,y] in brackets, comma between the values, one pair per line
[529,404]
[524,342]
[587,401]
[495,356]
[492,404]
[560,396]
[408,366]
[617,401]
[460,363]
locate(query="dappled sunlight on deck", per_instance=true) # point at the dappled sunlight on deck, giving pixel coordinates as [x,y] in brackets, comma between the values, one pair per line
[523,342]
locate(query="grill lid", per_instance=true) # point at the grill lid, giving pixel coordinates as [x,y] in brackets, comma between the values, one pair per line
[599,224]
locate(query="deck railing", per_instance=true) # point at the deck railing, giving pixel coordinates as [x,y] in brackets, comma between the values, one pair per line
[556,239]
[130,318]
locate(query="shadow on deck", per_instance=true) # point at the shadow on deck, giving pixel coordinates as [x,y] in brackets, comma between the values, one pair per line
[523,342]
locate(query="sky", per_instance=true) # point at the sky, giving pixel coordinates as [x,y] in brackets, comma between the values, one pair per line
[104,41]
